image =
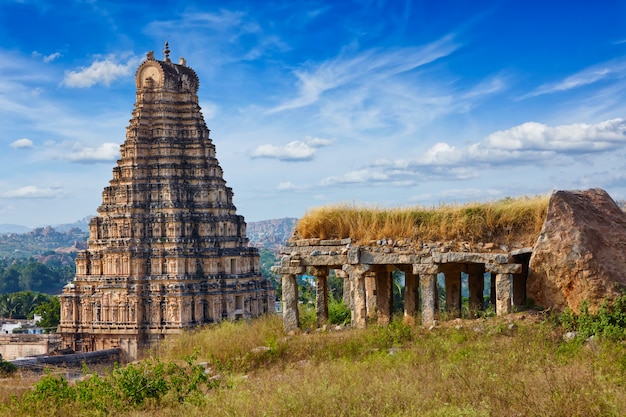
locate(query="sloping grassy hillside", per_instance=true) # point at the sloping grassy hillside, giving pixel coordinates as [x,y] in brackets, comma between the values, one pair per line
[510,220]
[490,367]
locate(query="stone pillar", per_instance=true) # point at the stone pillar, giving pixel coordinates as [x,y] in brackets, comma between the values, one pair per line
[476,284]
[370,294]
[503,294]
[452,274]
[290,302]
[356,275]
[428,284]
[411,295]
[321,294]
[288,270]
[384,295]
[503,274]
[519,280]
[348,298]
[519,290]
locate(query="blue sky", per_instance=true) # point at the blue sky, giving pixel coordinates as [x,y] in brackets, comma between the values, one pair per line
[387,103]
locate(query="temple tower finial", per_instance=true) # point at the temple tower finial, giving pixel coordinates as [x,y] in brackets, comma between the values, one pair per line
[166,52]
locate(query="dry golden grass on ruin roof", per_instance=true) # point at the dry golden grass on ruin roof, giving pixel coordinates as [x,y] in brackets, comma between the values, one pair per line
[511,220]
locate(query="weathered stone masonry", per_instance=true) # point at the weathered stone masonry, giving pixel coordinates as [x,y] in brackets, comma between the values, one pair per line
[167,250]
[367,270]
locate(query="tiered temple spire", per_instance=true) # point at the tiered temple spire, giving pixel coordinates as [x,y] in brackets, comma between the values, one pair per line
[167,250]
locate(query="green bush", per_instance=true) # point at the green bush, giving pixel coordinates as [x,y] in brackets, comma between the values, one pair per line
[338,312]
[392,335]
[609,322]
[308,319]
[133,386]
[6,368]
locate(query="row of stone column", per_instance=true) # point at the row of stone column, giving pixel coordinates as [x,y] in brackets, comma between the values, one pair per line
[370,291]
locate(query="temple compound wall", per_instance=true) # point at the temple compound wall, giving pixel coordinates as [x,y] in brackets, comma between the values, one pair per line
[167,250]
[367,271]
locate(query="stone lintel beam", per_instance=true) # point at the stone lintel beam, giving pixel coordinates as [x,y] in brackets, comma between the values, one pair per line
[470,258]
[504,268]
[336,242]
[318,242]
[307,242]
[380,258]
[285,260]
[314,250]
[522,251]
[323,260]
[420,269]
[295,270]
[356,275]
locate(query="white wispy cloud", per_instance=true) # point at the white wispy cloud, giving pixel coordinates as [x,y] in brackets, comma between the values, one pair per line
[225,35]
[573,138]
[593,74]
[293,151]
[358,177]
[218,21]
[314,80]
[102,71]
[22,143]
[77,152]
[286,186]
[33,191]
[46,58]
[528,143]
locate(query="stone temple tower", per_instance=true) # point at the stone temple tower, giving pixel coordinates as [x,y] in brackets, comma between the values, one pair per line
[167,250]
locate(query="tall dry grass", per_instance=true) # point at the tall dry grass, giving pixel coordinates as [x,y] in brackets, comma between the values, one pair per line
[480,368]
[483,368]
[518,219]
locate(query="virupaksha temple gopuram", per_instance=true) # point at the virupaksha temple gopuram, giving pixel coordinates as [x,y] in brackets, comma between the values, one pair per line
[167,250]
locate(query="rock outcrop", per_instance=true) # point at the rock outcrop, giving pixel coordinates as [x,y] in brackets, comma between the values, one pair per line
[580,253]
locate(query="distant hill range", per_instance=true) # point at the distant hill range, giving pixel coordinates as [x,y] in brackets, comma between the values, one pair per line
[13,228]
[67,239]
[271,234]
[42,241]
[82,224]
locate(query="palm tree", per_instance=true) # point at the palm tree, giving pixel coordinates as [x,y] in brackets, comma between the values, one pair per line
[9,305]
[28,301]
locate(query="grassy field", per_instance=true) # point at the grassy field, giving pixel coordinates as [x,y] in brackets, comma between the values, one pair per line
[516,220]
[514,366]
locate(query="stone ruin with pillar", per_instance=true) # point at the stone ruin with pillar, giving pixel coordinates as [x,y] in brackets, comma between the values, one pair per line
[368,274]
[167,251]
[579,254]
